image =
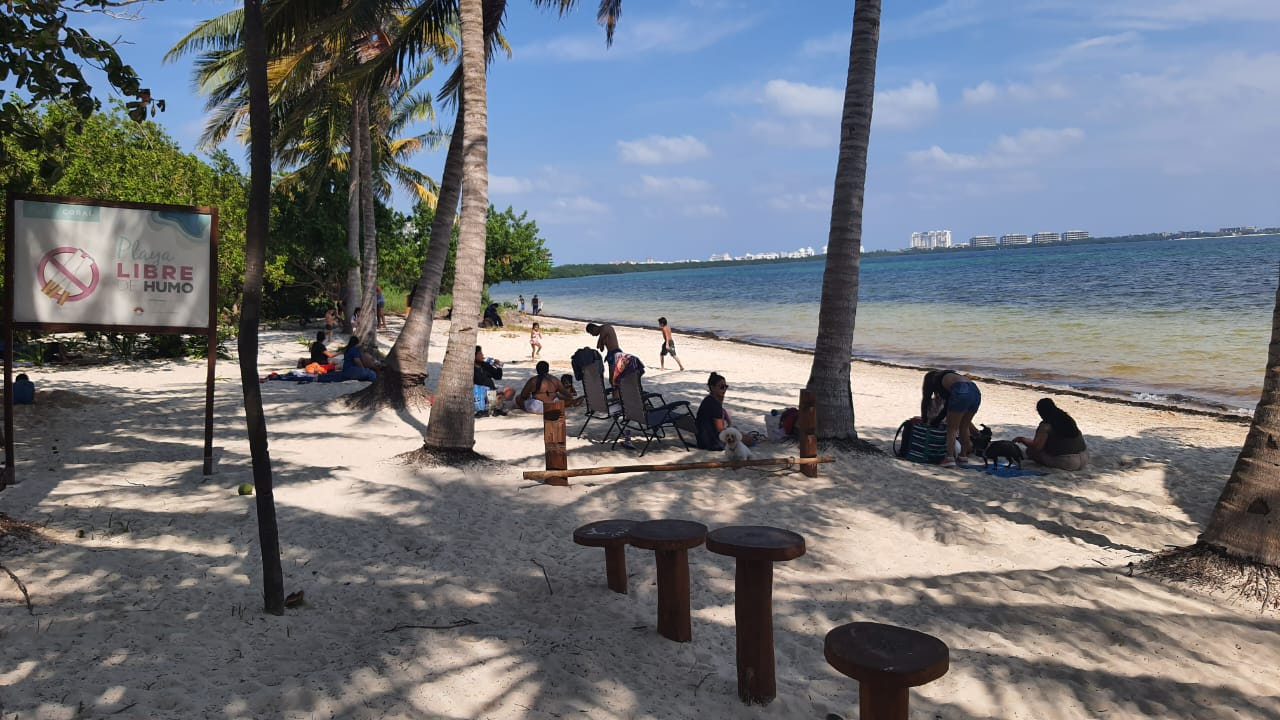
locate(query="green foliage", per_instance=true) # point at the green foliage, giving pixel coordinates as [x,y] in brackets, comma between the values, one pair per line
[42,58]
[513,250]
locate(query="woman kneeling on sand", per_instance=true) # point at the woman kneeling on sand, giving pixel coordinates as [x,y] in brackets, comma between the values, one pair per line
[1058,442]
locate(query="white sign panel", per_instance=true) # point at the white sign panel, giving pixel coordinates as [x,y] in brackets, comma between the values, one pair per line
[97,265]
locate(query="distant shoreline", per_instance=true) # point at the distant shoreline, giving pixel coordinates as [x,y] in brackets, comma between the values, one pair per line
[1201,410]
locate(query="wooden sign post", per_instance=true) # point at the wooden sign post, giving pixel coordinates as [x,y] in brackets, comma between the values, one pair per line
[807,437]
[553,437]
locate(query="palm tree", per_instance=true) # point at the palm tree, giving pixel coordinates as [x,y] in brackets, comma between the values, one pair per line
[452,424]
[829,377]
[1241,545]
[256,224]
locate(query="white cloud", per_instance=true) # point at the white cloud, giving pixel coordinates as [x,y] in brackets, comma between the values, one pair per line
[906,107]
[799,99]
[818,200]
[703,210]
[1008,151]
[650,185]
[801,133]
[1242,82]
[675,35]
[507,185]
[660,150]
[573,210]
[987,92]
[1171,14]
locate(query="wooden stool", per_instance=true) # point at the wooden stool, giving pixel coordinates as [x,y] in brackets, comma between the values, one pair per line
[887,661]
[612,536]
[670,540]
[757,548]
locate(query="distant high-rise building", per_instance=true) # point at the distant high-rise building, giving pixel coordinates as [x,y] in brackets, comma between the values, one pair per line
[930,239]
[1041,238]
[1072,235]
[1014,239]
[983,241]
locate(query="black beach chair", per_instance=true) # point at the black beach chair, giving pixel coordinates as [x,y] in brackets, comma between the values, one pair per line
[601,403]
[648,419]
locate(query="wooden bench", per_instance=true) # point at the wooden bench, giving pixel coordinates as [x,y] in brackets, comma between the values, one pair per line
[887,661]
[671,540]
[612,535]
[757,548]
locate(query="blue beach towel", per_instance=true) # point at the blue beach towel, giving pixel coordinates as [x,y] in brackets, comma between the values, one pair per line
[1004,471]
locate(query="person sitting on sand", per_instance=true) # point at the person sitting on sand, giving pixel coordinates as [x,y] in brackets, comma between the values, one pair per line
[486,372]
[712,418]
[606,341]
[319,353]
[1058,442]
[354,364]
[961,398]
[541,389]
[566,381]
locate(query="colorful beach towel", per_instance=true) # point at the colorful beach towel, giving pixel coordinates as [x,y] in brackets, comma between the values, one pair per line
[1004,471]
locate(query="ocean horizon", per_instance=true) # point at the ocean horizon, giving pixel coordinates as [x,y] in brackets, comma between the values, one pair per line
[1169,322]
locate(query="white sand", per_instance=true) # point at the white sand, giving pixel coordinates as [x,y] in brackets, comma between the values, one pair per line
[147,594]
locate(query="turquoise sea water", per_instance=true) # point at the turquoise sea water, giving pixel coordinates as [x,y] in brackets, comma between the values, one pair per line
[1179,321]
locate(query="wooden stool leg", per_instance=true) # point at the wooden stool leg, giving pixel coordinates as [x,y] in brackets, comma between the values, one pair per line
[615,567]
[753,614]
[882,703]
[673,595]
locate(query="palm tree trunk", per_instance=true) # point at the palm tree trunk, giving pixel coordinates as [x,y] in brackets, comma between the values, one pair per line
[409,355]
[452,424]
[833,348]
[256,224]
[368,326]
[354,292]
[1245,523]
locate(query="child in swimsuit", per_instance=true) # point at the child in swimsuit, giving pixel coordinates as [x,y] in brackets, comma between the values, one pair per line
[535,340]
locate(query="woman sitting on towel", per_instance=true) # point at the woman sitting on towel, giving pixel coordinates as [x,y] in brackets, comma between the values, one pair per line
[712,418]
[354,364]
[1058,442]
[541,389]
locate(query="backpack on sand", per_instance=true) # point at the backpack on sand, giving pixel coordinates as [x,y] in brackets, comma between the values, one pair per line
[918,442]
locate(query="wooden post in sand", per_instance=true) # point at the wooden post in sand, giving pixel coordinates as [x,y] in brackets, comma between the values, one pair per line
[807,437]
[553,435]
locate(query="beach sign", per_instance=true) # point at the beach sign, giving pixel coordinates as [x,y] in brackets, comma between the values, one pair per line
[89,264]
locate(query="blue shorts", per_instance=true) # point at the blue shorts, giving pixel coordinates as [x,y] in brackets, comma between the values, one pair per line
[965,397]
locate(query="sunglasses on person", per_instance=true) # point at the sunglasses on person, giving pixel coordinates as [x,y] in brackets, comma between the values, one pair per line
[722,386]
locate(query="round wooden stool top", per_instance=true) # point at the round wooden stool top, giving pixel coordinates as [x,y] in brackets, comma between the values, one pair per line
[668,534]
[604,533]
[886,655]
[756,542]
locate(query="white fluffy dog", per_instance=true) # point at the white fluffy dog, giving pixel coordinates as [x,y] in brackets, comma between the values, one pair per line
[734,448]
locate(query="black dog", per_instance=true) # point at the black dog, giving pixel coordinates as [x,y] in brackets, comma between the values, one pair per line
[980,440]
[1007,449]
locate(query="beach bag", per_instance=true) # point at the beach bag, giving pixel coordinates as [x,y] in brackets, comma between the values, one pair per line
[787,421]
[917,442]
[481,395]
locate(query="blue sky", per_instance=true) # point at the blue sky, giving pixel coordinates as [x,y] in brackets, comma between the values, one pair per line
[712,125]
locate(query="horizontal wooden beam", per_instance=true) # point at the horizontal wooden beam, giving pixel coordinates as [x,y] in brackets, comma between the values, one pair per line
[663,467]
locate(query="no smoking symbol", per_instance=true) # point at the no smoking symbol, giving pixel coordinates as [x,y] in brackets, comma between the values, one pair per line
[67,274]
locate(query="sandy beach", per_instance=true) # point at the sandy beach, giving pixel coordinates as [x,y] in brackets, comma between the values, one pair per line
[447,592]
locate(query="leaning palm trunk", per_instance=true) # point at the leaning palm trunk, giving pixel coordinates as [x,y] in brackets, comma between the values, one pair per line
[254,263]
[367,328]
[408,357]
[829,377]
[351,298]
[452,424]
[1246,521]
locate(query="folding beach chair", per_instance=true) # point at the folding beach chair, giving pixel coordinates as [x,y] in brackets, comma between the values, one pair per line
[648,419]
[601,403]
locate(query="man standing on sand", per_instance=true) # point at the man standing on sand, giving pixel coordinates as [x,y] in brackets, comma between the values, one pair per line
[536,304]
[521,298]
[606,341]
[668,346]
